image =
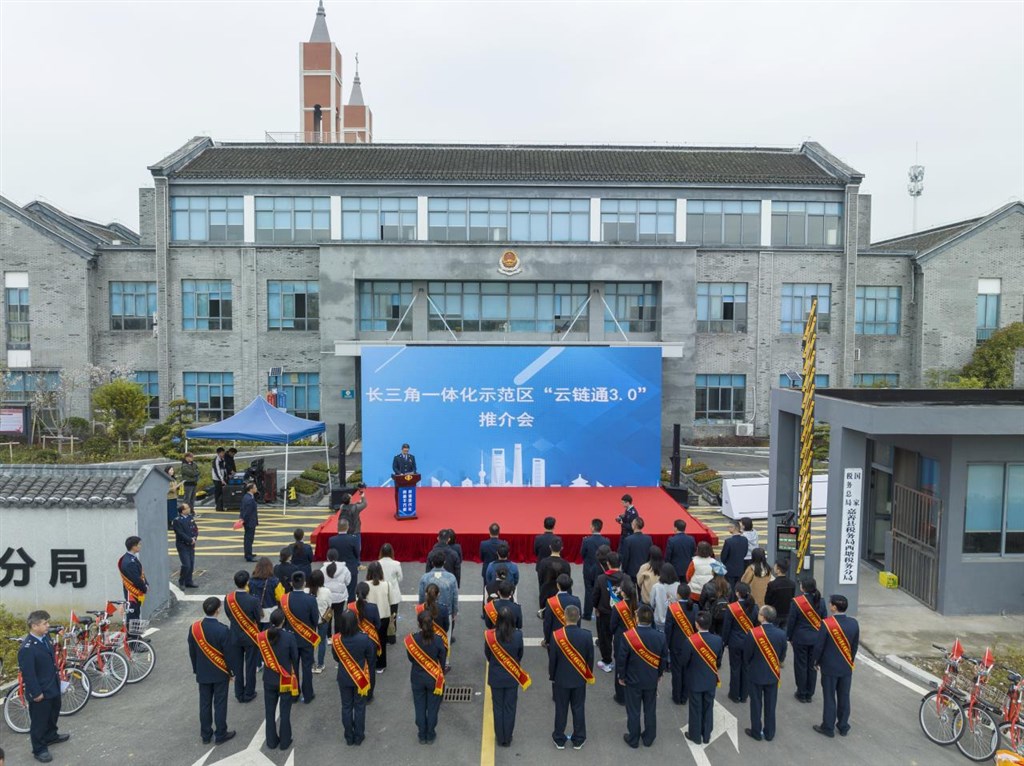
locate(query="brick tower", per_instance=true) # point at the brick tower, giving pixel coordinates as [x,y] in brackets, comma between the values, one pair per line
[358,117]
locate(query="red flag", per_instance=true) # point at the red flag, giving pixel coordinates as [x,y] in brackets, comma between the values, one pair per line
[988,660]
[111,608]
[957,651]
[74,618]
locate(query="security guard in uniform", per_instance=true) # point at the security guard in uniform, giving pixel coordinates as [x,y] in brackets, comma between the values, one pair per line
[569,684]
[733,635]
[131,572]
[185,534]
[677,640]
[702,681]
[243,652]
[764,684]
[641,677]
[212,679]
[42,686]
[836,667]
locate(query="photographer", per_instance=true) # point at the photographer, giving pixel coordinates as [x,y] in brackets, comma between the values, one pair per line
[351,510]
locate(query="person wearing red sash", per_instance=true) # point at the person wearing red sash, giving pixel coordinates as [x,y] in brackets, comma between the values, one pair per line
[243,613]
[680,620]
[133,579]
[303,615]
[369,623]
[702,659]
[802,629]
[835,654]
[355,654]
[571,670]
[639,665]
[740,618]
[280,654]
[503,648]
[207,643]
[764,651]
[623,619]
[554,608]
[504,592]
[427,657]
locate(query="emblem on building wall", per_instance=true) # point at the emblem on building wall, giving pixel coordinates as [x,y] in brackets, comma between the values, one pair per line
[510,264]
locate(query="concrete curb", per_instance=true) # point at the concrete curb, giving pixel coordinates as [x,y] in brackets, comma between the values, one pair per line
[910,669]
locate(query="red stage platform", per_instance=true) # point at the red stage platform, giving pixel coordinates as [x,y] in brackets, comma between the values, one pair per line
[519,510]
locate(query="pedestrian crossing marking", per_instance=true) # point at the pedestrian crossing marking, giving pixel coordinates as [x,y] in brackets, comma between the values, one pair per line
[217,535]
[717,522]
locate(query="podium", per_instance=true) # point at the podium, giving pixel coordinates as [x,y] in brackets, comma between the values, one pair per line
[405,495]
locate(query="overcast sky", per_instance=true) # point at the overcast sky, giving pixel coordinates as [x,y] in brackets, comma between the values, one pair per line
[93,92]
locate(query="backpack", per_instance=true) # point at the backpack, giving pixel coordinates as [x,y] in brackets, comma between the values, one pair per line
[718,610]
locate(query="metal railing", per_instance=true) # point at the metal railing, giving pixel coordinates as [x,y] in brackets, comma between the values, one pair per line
[915,542]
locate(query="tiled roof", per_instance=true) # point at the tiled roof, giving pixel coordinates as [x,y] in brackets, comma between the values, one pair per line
[506,164]
[924,240]
[51,485]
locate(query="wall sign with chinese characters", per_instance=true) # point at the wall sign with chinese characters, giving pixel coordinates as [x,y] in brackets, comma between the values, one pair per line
[849,531]
[67,567]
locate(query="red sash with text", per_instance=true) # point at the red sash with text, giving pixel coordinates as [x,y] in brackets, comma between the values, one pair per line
[490,611]
[134,592]
[572,655]
[706,653]
[804,605]
[555,605]
[637,645]
[741,617]
[625,614]
[841,641]
[676,610]
[506,660]
[420,657]
[767,651]
[301,629]
[245,622]
[289,684]
[437,628]
[367,627]
[360,675]
[213,654]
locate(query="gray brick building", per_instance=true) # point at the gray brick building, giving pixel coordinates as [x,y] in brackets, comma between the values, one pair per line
[258,256]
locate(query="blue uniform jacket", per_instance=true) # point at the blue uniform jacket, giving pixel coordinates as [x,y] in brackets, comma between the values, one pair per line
[679,552]
[403,464]
[513,572]
[734,553]
[286,650]
[674,635]
[348,549]
[251,606]
[185,530]
[634,552]
[488,553]
[433,649]
[302,558]
[371,613]
[497,676]
[699,677]
[732,633]
[636,671]
[216,633]
[363,652]
[551,622]
[303,607]
[560,671]
[758,668]
[249,513]
[263,591]
[131,568]
[588,552]
[827,655]
[512,606]
[798,629]
[38,670]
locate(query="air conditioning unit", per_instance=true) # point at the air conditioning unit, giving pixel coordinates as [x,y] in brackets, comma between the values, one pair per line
[744,429]
[856,354]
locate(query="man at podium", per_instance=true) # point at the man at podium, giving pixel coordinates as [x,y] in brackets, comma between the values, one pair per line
[403,464]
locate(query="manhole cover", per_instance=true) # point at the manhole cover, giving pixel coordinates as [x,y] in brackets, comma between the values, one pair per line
[458,693]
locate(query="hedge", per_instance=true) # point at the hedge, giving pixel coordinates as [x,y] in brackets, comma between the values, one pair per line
[694,468]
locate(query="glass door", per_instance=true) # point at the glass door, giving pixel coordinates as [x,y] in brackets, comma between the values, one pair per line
[879,516]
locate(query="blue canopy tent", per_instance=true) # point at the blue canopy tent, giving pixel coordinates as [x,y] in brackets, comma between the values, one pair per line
[262,422]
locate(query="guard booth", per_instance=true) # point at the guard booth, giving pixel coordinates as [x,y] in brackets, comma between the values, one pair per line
[928,485]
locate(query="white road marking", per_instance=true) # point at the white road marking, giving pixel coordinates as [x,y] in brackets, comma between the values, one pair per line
[182,596]
[890,674]
[725,723]
[149,632]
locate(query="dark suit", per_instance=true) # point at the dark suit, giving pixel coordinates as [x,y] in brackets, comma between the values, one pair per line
[634,552]
[542,547]
[349,550]
[304,607]
[569,687]
[452,560]
[733,558]
[213,682]
[185,532]
[677,643]
[504,689]
[548,570]
[701,683]
[39,673]
[733,636]
[641,681]
[402,464]
[488,553]
[764,686]
[591,570]
[552,623]
[512,606]
[353,704]
[250,520]
[804,638]
[302,558]
[425,702]
[242,656]
[679,552]
[372,613]
[287,653]
[836,674]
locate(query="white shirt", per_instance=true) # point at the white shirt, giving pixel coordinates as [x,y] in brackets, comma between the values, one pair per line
[337,585]
[324,598]
[393,575]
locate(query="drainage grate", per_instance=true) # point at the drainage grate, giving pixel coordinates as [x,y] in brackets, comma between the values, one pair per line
[458,693]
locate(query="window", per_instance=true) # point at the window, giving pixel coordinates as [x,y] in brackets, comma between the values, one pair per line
[988,307]
[16,300]
[721,398]
[388,219]
[633,304]
[207,219]
[293,305]
[877,311]
[508,220]
[151,387]
[994,513]
[212,394]
[508,306]
[205,304]
[298,393]
[799,224]
[787,380]
[630,220]
[796,306]
[132,305]
[710,222]
[876,380]
[721,307]
[23,384]
[383,304]
[293,219]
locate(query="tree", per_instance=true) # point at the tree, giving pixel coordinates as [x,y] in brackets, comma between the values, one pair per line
[179,419]
[992,362]
[122,405]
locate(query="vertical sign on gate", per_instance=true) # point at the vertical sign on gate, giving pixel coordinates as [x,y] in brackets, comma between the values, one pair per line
[850,529]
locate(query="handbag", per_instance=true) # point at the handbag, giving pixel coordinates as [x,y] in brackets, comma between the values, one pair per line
[264,612]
